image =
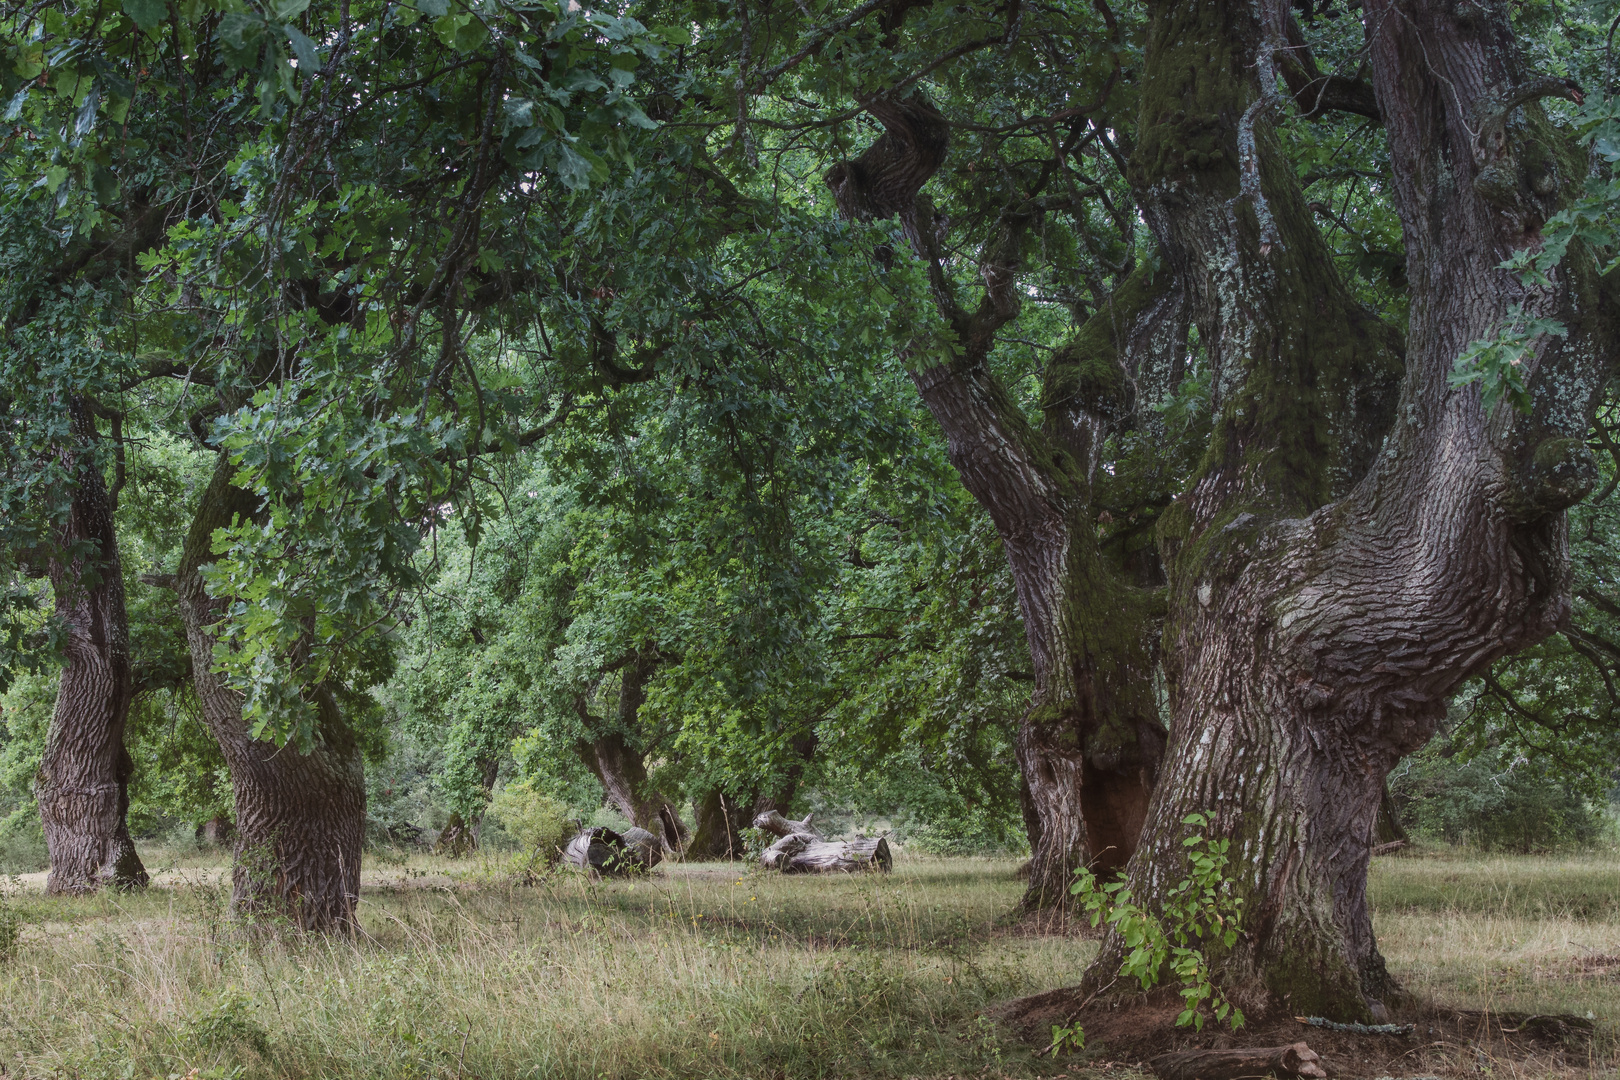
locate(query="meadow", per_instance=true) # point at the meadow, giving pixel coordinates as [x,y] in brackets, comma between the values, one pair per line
[695,971]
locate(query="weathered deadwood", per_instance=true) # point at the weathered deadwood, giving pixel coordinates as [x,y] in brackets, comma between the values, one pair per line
[608,852]
[1296,1059]
[773,822]
[804,853]
[646,850]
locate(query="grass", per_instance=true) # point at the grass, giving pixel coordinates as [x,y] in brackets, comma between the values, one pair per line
[1523,933]
[701,972]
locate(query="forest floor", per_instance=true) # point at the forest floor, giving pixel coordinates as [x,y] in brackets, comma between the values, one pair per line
[711,971]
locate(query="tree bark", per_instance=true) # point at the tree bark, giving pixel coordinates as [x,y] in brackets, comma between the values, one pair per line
[801,853]
[300,817]
[618,764]
[604,851]
[1326,596]
[83,779]
[721,818]
[802,850]
[1088,747]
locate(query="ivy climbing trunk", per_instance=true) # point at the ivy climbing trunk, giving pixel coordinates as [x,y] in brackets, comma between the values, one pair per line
[300,816]
[1328,593]
[83,779]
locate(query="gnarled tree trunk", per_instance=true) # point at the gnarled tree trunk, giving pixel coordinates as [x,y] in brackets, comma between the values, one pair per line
[300,817]
[83,779]
[1318,622]
[1089,745]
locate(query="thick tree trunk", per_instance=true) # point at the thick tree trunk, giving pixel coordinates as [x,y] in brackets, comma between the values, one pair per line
[83,779]
[300,817]
[721,818]
[1312,642]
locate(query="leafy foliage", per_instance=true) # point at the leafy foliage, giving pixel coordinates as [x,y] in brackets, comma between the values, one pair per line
[1199,912]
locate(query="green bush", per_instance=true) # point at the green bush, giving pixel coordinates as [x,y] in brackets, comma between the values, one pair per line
[22,842]
[540,824]
[1495,800]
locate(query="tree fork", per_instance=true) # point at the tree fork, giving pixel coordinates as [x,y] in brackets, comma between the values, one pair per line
[1326,599]
[1094,717]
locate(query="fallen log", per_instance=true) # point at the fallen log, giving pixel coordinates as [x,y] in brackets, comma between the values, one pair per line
[773,822]
[608,852]
[800,850]
[798,854]
[645,849]
[1296,1059]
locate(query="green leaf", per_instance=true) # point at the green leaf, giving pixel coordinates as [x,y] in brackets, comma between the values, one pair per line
[241,36]
[577,169]
[146,13]
[85,121]
[309,61]
[18,99]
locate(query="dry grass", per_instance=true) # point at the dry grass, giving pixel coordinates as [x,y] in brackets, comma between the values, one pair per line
[1507,934]
[703,972]
[698,972]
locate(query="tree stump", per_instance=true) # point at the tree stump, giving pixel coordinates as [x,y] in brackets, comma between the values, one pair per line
[1296,1059]
[801,850]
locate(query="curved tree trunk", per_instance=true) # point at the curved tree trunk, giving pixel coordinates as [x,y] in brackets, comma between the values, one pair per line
[619,765]
[1091,742]
[1089,745]
[83,779]
[300,817]
[1312,642]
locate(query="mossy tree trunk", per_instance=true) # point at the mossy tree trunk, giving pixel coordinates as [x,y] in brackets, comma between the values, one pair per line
[1325,597]
[1089,745]
[83,779]
[721,818]
[300,817]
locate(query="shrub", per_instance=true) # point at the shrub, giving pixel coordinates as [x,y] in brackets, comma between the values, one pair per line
[540,824]
[10,932]
[229,1025]
[1495,800]
[22,843]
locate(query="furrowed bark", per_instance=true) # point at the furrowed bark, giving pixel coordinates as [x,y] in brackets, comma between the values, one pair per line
[83,779]
[1325,599]
[300,817]
[1089,745]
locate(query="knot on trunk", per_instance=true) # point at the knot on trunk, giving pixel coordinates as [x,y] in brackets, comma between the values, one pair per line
[1519,172]
[1559,473]
[885,179]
